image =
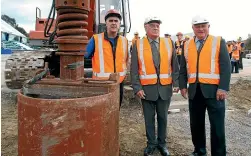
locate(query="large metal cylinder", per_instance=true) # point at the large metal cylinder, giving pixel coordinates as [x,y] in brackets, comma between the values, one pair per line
[69,120]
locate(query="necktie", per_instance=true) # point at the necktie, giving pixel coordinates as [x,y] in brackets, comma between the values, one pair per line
[155,54]
[200,45]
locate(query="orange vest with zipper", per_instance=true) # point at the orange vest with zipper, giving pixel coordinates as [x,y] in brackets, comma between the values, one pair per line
[208,65]
[236,54]
[147,71]
[103,59]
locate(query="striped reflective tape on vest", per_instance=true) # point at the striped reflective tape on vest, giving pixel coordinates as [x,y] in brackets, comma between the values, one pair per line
[141,57]
[165,75]
[101,54]
[125,52]
[206,76]
[101,74]
[169,56]
[101,58]
[150,76]
[213,55]
[186,54]
[107,74]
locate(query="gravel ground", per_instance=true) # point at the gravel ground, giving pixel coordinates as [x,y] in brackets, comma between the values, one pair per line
[132,130]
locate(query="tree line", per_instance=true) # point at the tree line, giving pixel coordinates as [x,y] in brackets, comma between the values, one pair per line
[13,23]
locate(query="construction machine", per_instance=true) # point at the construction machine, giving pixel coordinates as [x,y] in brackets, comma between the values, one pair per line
[60,111]
[37,37]
[22,66]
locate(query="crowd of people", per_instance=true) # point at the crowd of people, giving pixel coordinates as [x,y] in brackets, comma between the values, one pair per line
[236,53]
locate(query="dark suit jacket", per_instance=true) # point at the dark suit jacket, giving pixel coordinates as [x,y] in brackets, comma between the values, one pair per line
[208,90]
[153,92]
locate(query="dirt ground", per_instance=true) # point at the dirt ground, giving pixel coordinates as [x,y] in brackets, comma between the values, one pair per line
[238,127]
[132,130]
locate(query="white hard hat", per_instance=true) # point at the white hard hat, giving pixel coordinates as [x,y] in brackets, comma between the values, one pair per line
[152,20]
[199,20]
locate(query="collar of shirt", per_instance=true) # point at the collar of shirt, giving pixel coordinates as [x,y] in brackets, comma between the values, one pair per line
[113,40]
[106,35]
[197,40]
[155,41]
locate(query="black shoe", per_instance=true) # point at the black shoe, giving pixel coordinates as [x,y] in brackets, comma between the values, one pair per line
[164,151]
[149,151]
[196,154]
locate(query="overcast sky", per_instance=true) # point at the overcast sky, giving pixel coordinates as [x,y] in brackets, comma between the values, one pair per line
[228,18]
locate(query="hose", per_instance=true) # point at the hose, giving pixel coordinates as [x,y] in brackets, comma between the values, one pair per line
[47,29]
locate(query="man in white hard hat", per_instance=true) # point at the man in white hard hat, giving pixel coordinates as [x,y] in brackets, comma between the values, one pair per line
[154,72]
[206,66]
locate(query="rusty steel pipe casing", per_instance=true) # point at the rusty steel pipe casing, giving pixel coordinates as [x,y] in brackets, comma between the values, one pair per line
[85,125]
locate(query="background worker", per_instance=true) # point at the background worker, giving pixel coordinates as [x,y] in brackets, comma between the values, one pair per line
[205,65]
[240,46]
[230,48]
[187,38]
[108,50]
[167,35]
[154,72]
[235,58]
[179,45]
[136,37]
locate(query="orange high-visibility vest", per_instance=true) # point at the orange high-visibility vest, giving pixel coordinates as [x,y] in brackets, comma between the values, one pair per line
[103,61]
[147,71]
[229,48]
[236,54]
[208,61]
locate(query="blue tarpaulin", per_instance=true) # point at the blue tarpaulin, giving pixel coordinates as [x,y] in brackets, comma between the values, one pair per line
[6,51]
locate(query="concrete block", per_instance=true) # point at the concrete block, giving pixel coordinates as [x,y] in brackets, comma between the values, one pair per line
[249,113]
[172,111]
[182,105]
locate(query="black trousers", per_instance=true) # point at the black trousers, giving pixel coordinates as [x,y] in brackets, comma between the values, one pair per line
[235,67]
[121,91]
[149,109]
[241,63]
[216,113]
[178,58]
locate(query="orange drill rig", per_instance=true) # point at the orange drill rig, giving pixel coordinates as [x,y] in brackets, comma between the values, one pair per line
[22,66]
[70,114]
